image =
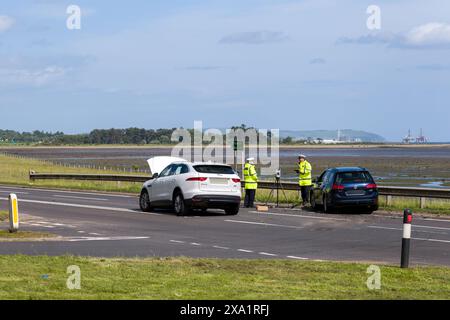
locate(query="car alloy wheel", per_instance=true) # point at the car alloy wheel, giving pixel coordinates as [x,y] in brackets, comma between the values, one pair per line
[313,201]
[144,201]
[178,204]
[325,205]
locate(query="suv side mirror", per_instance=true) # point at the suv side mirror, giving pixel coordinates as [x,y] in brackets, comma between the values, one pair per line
[155,175]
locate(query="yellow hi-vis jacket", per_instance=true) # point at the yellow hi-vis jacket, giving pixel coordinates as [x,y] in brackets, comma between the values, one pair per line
[250,176]
[305,176]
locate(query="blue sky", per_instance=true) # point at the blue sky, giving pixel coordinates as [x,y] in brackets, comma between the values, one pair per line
[310,64]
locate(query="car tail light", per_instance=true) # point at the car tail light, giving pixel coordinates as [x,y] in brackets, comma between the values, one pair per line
[371,186]
[236,180]
[338,187]
[201,179]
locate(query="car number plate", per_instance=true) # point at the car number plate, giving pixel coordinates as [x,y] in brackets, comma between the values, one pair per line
[218,181]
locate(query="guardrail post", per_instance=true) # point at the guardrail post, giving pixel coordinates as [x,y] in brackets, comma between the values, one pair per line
[13,213]
[388,200]
[423,201]
[407,219]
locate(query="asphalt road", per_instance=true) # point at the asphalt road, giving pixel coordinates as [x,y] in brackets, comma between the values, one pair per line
[109,225]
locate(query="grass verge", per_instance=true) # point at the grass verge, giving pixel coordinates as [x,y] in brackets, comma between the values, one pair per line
[42,277]
[4,215]
[15,171]
[24,235]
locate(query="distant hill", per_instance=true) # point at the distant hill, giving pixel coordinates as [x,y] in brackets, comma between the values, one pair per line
[346,134]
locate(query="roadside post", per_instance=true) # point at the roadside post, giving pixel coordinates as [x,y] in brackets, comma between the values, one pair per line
[13,213]
[407,219]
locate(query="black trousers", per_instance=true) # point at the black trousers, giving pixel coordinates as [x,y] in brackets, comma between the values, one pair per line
[249,198]
[305,193]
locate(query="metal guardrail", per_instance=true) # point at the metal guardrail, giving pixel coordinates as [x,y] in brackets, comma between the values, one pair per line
[388,191]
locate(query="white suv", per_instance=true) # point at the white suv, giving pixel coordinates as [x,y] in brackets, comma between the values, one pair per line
[183,186]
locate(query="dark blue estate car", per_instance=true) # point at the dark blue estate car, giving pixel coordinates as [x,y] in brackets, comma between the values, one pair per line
[345,187]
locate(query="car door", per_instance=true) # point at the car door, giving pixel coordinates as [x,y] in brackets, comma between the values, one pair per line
[171,181]
[159,186]
[321,186]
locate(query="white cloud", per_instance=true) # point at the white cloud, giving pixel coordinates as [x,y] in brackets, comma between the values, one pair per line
[5,23]
[430,35]
[34,77]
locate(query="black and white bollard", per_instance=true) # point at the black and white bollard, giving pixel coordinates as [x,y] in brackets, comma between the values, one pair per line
[407,219]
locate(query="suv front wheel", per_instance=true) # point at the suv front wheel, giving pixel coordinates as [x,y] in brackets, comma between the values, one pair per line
[144,201]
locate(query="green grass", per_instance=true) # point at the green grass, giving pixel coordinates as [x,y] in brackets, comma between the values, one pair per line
[23,235]
[4,215]
[42,277]
[437,206]
[16,171]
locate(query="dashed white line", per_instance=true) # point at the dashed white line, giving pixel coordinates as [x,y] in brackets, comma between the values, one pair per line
[268,254]
[295,257]
[195,244]
[80,231]
[245,250]
[220,247]
[177,241]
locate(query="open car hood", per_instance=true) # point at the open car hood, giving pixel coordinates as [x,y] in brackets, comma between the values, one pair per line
[157,164]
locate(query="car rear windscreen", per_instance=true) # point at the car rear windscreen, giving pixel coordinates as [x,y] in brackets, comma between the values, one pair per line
[217,169]
[353,177]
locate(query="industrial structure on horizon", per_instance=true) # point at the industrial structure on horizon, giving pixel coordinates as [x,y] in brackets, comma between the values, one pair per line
[409,139]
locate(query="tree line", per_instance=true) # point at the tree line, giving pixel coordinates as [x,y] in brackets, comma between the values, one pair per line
[97,136]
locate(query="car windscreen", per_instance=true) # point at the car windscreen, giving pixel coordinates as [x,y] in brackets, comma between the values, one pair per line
[353,177]
[217,169]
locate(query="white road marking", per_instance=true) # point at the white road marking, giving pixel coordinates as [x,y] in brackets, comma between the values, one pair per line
[390,228]
[432,240]
[85,206]
[95,234]
[298,258]
[433,219]
[401,217]
[264,224]
[429,227]
[245,250]
[268,254]
[16,192]
[297,216]
[195,244]
[81,198]
[104,238]
[220,247]
[177,241]
[81,231]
